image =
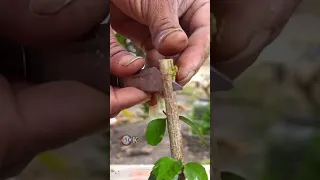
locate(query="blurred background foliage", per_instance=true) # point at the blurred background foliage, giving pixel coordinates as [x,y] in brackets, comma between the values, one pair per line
[201,117]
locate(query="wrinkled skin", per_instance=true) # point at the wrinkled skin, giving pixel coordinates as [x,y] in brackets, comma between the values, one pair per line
[166,28]
[178,29]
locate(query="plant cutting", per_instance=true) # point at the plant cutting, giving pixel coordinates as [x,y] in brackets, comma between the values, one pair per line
[174,167]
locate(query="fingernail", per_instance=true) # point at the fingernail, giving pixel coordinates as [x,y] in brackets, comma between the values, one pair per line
[187,78]
[166,33]
[126,62]
[171,42]
[47,7]
[146,100]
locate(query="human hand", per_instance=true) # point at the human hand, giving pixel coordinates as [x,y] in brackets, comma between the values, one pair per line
[244,29]
[38,117]
[166,28]
[122,64]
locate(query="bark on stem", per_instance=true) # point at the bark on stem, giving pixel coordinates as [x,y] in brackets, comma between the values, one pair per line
[168,72]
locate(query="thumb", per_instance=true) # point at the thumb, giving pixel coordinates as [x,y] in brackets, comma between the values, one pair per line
[124,98]
[167,35]
[162,18]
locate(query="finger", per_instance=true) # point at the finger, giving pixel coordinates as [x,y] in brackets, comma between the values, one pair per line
[244,30]
[58,113]
[124,98]
[37,22]
[197,21]
[138,33]
[153,57]
[122,62]
[162,17]
[14,152]
[191,60]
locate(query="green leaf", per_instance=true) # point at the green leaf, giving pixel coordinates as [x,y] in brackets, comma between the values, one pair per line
[166,168]
[145,108]
[152,177]
[127,113]
[194,128]
[230,176]
[206,115]
[195,171]
[121,40]
[155,131]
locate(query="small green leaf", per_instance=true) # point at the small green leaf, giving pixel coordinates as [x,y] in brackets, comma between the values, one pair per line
[195,171]
[194,128]
[166,168]
[121,40]
[155,131]
[230,176]
[127,113]
[152,177]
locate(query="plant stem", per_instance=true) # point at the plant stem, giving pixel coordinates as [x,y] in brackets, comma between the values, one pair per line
[167,69]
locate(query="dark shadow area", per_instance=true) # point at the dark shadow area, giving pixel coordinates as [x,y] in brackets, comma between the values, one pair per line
[85,60]
[268,126]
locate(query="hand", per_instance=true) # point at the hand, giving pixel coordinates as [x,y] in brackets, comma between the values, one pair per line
[35,118]
[245,28]
[123,63]
[155,27]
